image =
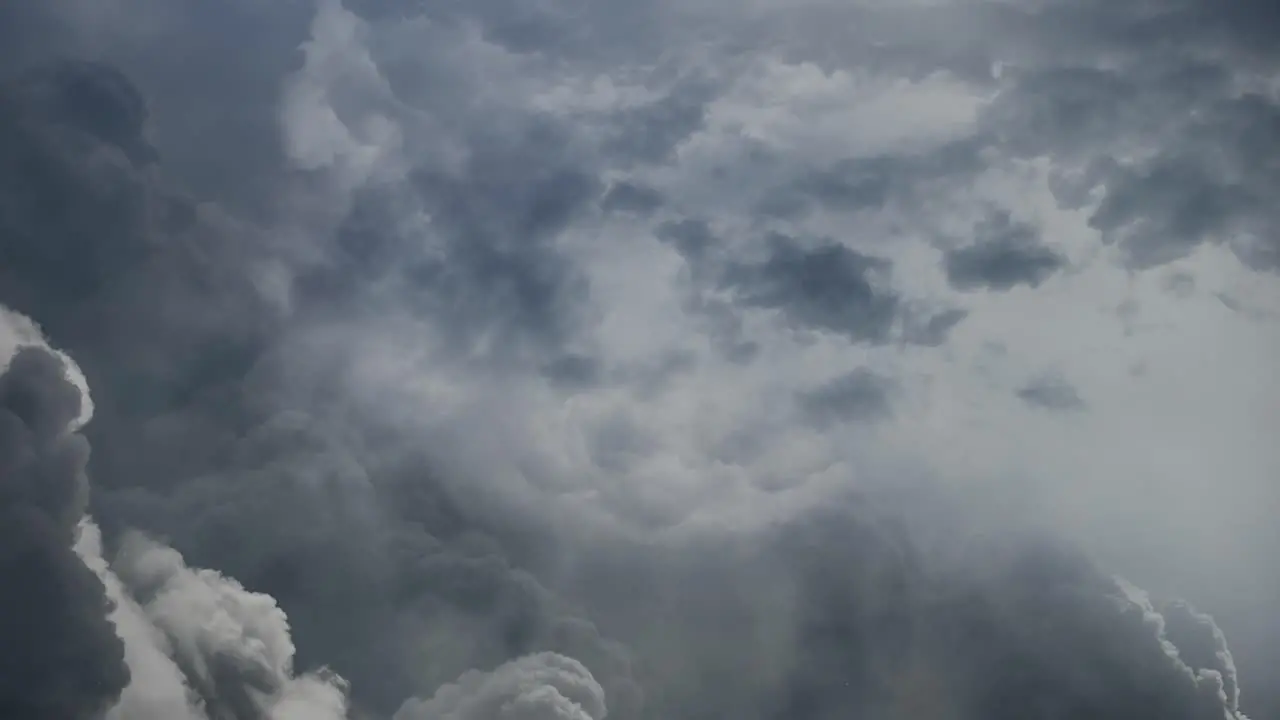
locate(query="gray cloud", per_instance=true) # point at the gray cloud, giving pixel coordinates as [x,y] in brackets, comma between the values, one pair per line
[858,395]
[536,687]
[1005,254]
[856,184]
[432,213]
[1200,182]
[818,286]
[63,660]
[933,330]
[202,450]
[866,607]
[1051,392]
[828,287]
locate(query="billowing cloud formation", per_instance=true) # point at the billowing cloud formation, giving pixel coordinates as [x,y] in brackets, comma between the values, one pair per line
[233,646]
[157,688]
[537,687]
[81,644]
[848,612]
[463,333]
[62,659]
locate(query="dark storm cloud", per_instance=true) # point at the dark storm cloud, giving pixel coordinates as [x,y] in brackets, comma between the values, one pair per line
[1174,91]
[1051,392]
[860,395]
[422,590]
[90,240]
[692,238]
[62,659]
[218,133]
[827,287]
[1006,253]
[867,607]
[139,234]
[210,431]
[821,286]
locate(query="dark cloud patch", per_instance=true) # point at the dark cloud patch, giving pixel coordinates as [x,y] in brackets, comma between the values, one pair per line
[1064,110]
[1051,392]
[95,99]
[213,431]
[649,133]
[1086,646]
[1161,213]
[933,330]
[827,287]
[334,532]
[62,659]
[692,238]
[220,134]
[225,426]
[1200,178]
[631,197]
[860,395]
[89,240]
[573,371]
[822,286]
[1007,253]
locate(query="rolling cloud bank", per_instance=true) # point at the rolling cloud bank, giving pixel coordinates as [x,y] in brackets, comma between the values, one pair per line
[511,360]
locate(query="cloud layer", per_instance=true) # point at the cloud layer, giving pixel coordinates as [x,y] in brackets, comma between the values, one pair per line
[679,359]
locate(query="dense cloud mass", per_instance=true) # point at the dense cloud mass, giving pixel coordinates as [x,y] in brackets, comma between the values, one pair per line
[62,659]
[536,687]
[566,359]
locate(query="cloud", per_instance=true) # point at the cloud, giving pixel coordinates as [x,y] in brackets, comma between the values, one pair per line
[1006,254]
[63,658]
[210,478]
[858,395]
[157,688]
[233,646]
[829,287]
[867,606]
[412,318]
[1052,393]
[537,687]
[84,644]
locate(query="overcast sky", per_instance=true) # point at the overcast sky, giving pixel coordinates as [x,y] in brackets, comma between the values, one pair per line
[543,358]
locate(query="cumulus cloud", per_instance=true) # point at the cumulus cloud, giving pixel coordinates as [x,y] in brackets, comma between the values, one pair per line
[163,642]
[234,646]
[536,687]
[157,688]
